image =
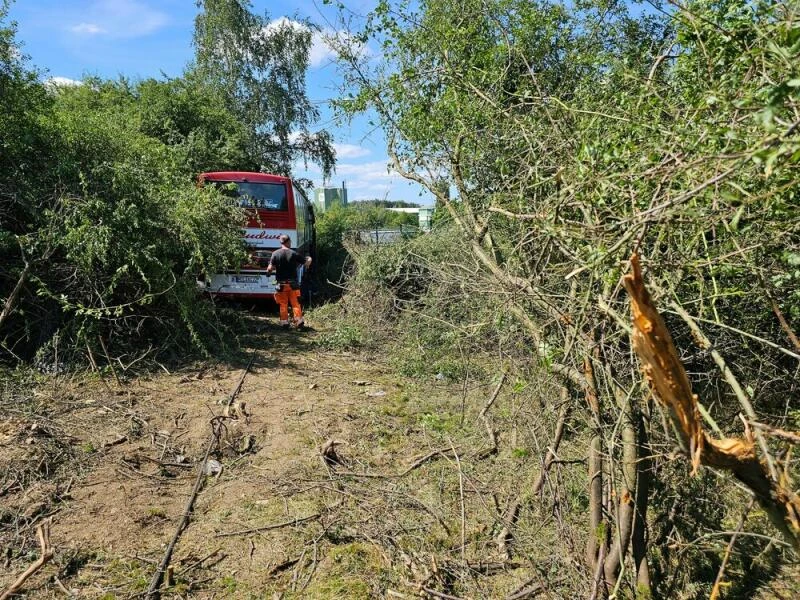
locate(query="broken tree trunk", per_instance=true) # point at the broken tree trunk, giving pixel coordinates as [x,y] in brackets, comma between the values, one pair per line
[627,499]
[595,541]
[667,379]
[13,297]
[639,535]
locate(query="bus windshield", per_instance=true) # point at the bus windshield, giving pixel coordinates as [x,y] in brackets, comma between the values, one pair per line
[263,196]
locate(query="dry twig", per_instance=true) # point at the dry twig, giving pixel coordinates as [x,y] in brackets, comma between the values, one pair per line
[43,532]
[289,523]
[482,416]
[721,572]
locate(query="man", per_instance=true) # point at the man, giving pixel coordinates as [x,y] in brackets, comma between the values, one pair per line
[284,263]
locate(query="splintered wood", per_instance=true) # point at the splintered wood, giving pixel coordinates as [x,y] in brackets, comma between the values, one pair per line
[667,379]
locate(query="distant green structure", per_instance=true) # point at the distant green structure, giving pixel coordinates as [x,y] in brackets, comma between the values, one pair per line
[325,197]
[425,216]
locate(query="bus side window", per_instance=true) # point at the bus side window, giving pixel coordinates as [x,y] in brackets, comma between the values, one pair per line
[300,216]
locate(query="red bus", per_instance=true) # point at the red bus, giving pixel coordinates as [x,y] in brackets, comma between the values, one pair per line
[274,206]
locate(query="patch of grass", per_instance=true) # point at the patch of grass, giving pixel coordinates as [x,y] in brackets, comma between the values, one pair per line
[411,365]
[520,453]
[396,408]
[346,572]
[344,336]
[132,574]
[229,583]
[438,422]
[156,512]
[452,369]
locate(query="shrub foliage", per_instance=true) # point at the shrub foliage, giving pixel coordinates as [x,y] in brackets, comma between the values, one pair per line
[103,229]
[560,138]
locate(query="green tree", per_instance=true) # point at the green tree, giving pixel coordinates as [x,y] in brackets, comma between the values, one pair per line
[259,66]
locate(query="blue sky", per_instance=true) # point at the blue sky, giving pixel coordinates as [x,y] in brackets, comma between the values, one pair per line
[144,38]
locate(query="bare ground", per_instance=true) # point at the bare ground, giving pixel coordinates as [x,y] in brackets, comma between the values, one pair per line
[413,501]
[395,511]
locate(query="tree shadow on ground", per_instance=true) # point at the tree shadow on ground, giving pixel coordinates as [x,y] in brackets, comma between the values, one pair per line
[259,332]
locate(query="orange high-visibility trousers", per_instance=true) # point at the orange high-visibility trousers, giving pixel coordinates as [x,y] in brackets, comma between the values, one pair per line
[286,296]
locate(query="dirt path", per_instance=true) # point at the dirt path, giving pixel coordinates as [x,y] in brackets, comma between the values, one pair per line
[137,447]
[112,468]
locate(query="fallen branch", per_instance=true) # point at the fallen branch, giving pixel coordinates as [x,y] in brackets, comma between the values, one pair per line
[422,460]
[787,436]
[667,379]
[463,505]
[43,532]
[784,323]
[216,432]
[435,594]
[415,465]
[492,568]
[108,360]
[715,590]
[280,567]
[11,301]
[493,397]
[530,590]
[482,416]
[200,561]
[166,464]
[155,582]
[269,527]
[120,440]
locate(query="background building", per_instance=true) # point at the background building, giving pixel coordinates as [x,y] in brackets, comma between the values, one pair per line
[424,214]
[425,217]
[325,197]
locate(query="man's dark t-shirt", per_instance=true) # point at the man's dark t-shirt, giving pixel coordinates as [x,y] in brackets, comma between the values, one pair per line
[285,261]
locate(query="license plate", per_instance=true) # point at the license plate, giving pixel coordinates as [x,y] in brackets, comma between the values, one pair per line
[246,278]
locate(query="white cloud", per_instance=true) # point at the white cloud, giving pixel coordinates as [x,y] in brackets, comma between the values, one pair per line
[282,22]
[350,151]
[319,53]
[87,28]
[56,82]
[325,44]
[358,176]
[372,169]
[119,19]
[366,180]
